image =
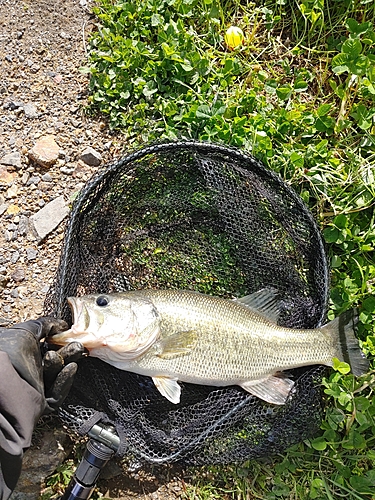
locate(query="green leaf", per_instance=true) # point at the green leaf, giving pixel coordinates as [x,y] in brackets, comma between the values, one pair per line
[355,441]
[204,111]
[341,366]
[361,65]
[369,304]
[356,28]
[283,92]
[156,19]
[336,261]
[362,484]
[352,46]
[300,86]
[331,234]
[319,443]
[341,221]
[297,159]
[340,63]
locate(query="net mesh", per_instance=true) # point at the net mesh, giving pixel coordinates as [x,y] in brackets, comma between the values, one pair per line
[204,217]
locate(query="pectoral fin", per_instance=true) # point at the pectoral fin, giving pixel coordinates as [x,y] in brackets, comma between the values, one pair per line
[169,388]
[178,344]
[271,389]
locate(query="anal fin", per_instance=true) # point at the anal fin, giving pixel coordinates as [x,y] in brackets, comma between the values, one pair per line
[272,389]
[169,388]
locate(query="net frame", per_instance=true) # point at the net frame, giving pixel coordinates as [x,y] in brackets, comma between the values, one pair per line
[221,439]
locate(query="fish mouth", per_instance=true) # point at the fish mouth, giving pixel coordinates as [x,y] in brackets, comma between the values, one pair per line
[80,315]
[79,329]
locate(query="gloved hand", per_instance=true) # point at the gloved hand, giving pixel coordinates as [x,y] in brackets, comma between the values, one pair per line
[52,376]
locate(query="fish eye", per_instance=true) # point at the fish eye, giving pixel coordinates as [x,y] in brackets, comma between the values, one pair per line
[102,301]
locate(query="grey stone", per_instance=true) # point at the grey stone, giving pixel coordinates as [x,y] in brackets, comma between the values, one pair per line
[47,178]
[34,68]
[30,111]
[12,105]
[91,157]
[14,293]
[75,123]
[49,217]
[15,257]
[23,225]
[18,275]
[34,179]
[66,170]
[8,235]
[12,159]
[31,253]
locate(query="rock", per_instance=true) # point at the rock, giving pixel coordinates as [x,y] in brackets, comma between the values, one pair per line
[91,157]
[34,179]
[49,217]
[31,253]
[12,192]
[66,170]
[13,209]
[39,462]
[23,225]
[47,178]
[45,152]
[34,68]
[57,78]
[30,111]
[3,208]
[12,159]
[12,105]
[7,177]
[18,275]
[15,257]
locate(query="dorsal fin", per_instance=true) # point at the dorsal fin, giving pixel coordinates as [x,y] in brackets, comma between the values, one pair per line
[265,302]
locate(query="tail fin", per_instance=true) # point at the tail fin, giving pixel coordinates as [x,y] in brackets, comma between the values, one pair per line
[348,349]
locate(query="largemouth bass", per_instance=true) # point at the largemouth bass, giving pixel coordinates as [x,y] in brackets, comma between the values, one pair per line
[187,336]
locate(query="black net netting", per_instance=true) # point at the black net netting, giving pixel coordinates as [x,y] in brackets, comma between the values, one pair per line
[204,217]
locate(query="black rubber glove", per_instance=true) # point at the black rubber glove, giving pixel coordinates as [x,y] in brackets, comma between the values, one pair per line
[52,376]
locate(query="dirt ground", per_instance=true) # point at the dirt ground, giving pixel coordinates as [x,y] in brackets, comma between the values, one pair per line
[42,45]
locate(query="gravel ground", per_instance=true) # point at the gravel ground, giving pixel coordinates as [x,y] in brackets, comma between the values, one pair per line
[42,92]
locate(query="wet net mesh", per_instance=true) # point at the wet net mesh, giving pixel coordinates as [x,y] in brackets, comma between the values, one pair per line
[204,217]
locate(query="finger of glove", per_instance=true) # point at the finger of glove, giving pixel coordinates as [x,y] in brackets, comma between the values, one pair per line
[42,327]
[61,387]
[53,363]
[72,352]
[51,325]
